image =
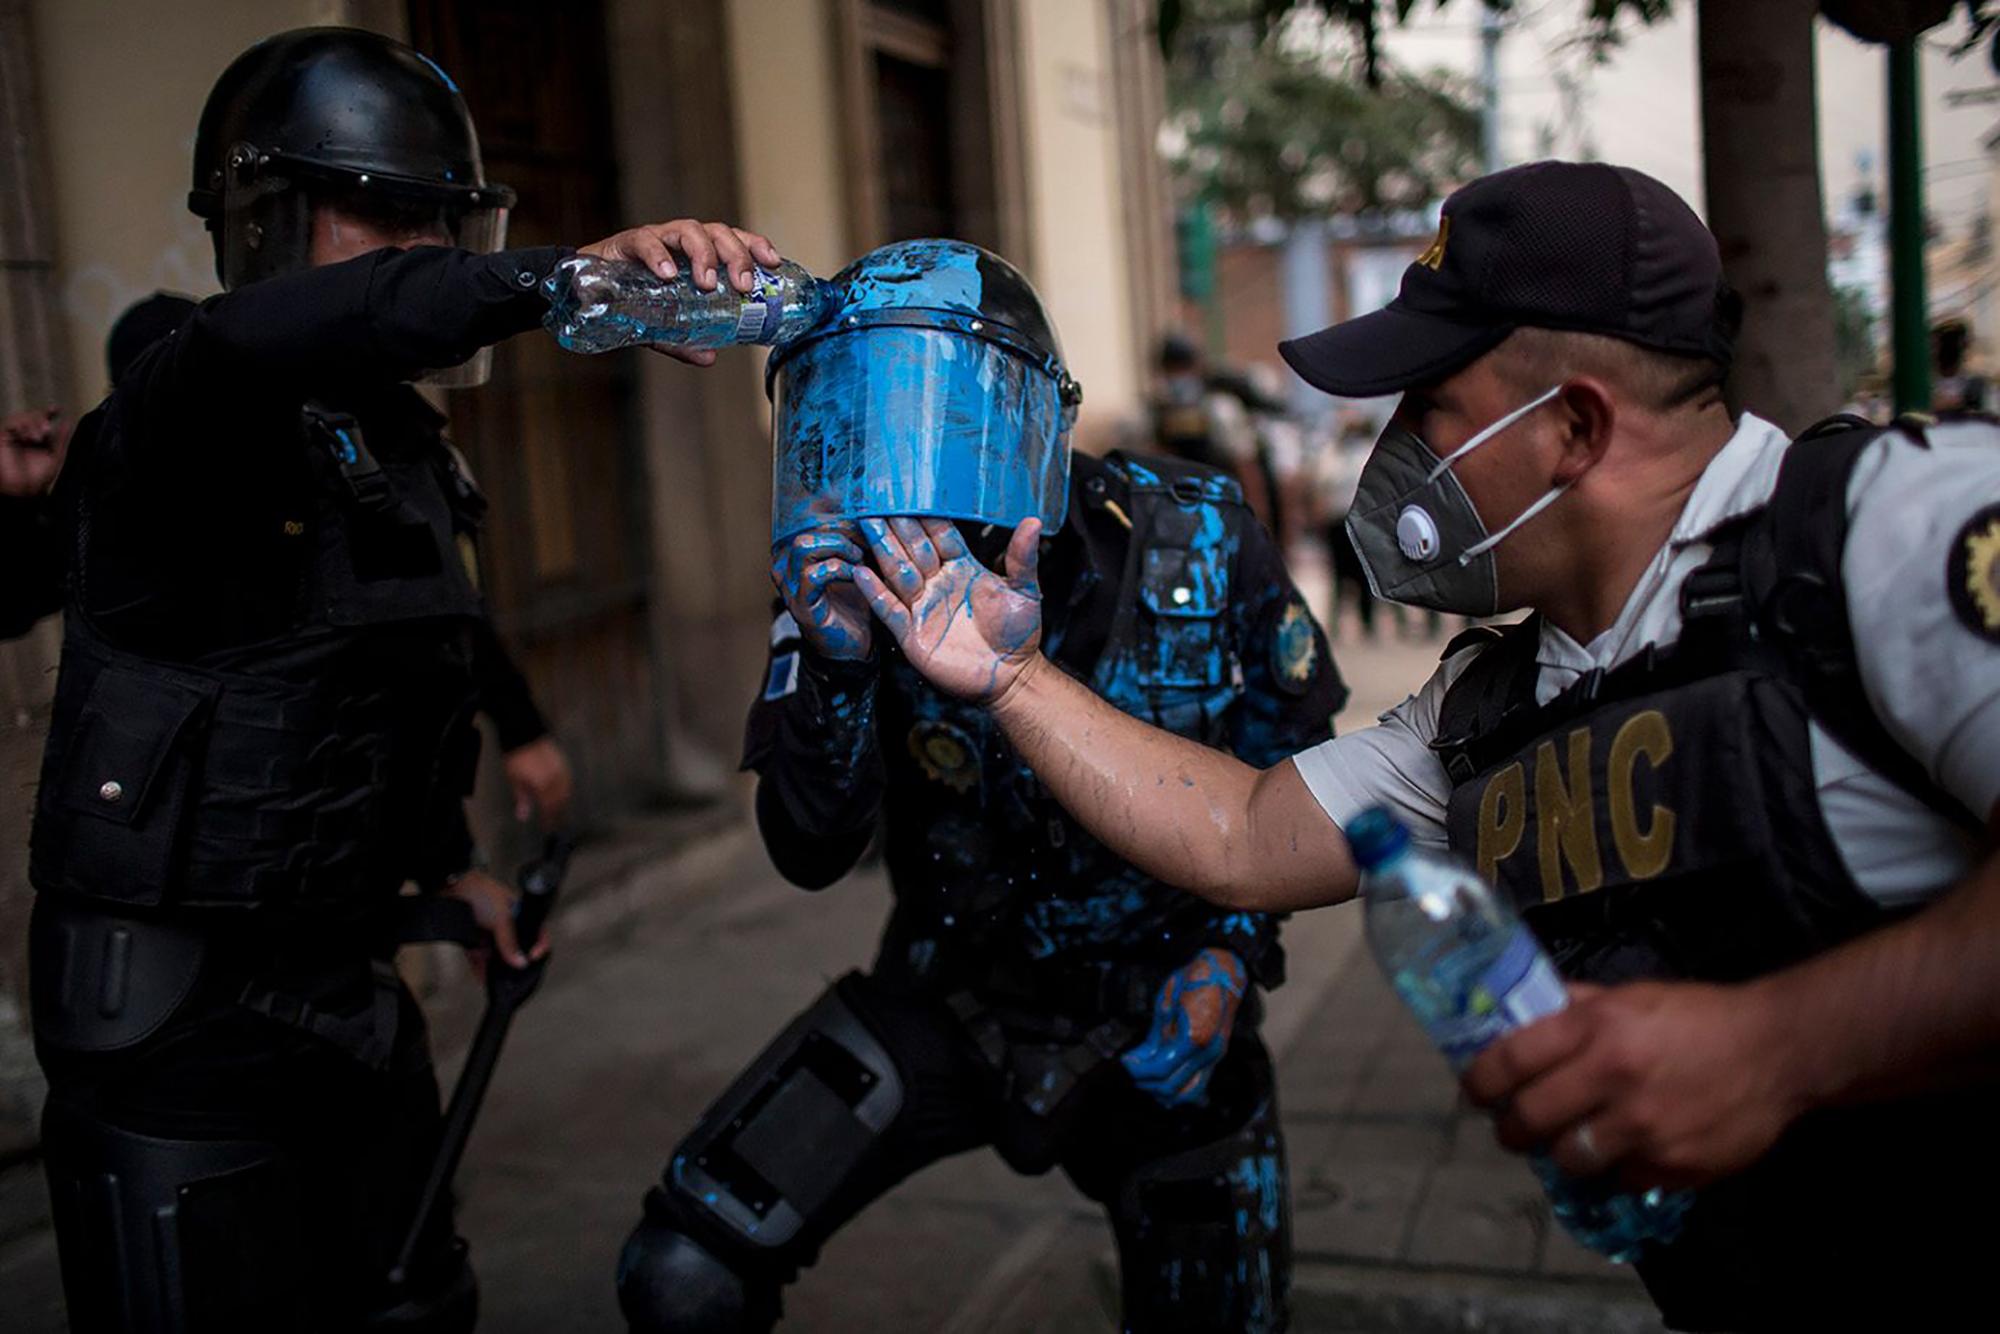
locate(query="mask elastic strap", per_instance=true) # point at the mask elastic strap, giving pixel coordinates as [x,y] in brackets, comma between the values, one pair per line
[1479,549]
[1491,431]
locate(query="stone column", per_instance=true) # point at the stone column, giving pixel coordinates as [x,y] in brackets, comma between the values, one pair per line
[33,373]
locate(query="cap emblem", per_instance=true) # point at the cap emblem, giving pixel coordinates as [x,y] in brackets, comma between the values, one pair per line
[1433,258]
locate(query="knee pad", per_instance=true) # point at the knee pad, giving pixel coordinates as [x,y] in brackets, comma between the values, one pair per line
[787,1135]
[176,1236]
[1205,1236]
[669,1283]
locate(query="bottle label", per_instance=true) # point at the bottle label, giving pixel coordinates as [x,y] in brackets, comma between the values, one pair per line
[1517,988]
[763,307]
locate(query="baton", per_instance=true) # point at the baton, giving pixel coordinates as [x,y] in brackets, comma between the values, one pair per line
[507,989]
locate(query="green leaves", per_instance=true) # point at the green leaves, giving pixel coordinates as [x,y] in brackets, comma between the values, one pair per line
[1604,20]
[1290,126]
[1284,108]
[1299,133]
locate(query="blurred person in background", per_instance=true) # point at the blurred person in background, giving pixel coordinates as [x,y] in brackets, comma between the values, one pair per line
[1956,389]
[1197,419]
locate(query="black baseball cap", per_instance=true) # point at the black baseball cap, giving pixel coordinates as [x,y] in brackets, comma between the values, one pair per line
[1551,245]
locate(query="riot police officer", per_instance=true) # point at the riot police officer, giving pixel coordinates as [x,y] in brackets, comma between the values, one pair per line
[260,725]
[1740,758]
[1032,992]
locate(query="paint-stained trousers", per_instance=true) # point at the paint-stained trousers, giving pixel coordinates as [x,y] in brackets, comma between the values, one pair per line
[1196,1196]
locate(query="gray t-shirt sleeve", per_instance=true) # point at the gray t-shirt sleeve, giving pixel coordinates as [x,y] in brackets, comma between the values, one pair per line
[1390,764]
[1922,570]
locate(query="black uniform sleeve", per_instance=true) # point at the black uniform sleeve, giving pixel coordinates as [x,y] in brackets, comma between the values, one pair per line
[503,691]
[811,738]
[447,847]
[380,318]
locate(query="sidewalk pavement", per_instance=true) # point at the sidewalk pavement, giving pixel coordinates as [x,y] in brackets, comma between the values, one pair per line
[1406,1214]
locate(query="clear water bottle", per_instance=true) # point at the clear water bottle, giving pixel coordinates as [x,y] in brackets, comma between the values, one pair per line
[596,305]
[1472,971]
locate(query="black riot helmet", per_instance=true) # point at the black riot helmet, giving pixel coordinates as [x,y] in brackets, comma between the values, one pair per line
[336,113]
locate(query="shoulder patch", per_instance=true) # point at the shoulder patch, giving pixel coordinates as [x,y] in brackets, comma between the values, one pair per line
[1295,648]
[946,754]
[783,678]
[1972,574]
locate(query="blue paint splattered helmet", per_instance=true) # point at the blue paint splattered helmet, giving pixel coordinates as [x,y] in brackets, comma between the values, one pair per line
[935,387]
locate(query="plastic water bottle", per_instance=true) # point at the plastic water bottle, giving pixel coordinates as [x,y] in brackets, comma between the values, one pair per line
[596,305]
[1472,971]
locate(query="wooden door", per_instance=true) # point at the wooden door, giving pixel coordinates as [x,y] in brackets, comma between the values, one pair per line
[553,437]
[932,121]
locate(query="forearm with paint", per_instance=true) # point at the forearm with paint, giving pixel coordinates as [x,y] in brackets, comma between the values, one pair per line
[1192,817]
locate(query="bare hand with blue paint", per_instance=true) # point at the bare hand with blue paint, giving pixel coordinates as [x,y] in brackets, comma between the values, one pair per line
[971,632]
[1193,1017]
[814,574]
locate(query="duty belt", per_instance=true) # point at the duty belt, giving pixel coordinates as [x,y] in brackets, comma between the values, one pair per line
[1083,993]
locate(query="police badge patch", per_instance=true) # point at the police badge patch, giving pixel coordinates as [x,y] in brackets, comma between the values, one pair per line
[1295,648]
[1972,573]
[946,754]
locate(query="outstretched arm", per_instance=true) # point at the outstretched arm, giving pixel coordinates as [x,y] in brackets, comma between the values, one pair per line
[393,314]
[1187,815]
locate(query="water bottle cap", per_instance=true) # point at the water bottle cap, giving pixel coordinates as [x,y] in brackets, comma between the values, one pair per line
[1375,836]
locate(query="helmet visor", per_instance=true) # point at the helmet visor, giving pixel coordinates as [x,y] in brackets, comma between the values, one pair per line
[267,203]
[920,421]
[264,226]
[482,231]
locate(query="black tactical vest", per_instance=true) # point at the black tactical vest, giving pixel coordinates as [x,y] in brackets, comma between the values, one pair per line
[1001,854]
[1173,656]
[300,770]
[1660,820]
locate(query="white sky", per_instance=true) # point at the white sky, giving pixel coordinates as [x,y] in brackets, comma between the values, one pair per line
[1641,109]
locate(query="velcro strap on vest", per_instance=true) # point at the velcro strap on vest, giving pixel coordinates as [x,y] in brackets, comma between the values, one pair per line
[339,435]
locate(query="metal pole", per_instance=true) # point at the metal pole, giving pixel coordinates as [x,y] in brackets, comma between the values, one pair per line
[1489,82]
[1306,307]
[1910,313]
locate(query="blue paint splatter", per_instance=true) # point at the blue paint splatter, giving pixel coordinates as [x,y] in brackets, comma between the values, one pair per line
[1038,882]
[438,70]
[879,415]
[1170,1064]
[925,274]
